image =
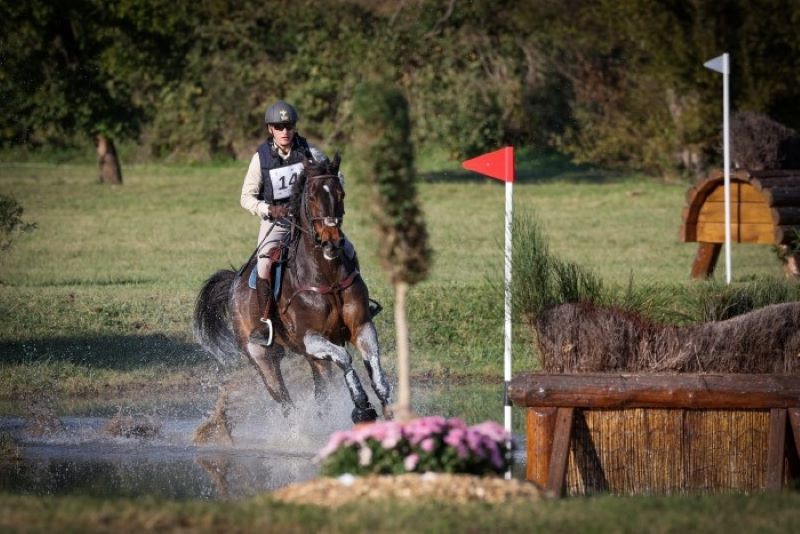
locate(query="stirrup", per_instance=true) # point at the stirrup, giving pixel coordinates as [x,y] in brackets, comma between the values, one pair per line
[257,336]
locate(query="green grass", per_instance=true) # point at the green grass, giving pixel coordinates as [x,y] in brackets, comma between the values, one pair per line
[98,298]
[103,287]
[702,513]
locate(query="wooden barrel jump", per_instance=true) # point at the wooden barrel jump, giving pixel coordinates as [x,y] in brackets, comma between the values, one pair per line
[765,209]
[660,434]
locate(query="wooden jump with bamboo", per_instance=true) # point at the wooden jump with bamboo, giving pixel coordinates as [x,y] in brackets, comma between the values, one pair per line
[660,434]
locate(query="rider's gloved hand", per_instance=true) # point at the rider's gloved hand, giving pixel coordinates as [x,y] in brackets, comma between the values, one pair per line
[277,211]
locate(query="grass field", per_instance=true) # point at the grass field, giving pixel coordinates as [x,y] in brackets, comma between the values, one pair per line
[697,513]
[97,300]
[100,293]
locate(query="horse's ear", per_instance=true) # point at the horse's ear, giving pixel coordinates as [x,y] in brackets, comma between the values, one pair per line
[337,159]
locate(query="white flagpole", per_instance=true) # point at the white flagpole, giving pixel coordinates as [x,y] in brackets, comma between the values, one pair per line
[721,64]
[507,301]
[727,161]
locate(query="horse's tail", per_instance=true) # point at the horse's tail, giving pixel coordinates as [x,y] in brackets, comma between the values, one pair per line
[212,318]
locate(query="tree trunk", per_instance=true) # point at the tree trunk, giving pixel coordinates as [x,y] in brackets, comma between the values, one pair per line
[110,171]
[402,410]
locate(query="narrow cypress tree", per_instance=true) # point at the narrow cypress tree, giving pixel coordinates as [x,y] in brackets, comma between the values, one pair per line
[385,161]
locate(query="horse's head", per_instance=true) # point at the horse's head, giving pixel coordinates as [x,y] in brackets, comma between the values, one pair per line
[323,205]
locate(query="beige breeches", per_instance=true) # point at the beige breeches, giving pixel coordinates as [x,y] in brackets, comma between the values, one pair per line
[275,234]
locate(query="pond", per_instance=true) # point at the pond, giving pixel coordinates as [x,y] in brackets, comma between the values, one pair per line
[81,454]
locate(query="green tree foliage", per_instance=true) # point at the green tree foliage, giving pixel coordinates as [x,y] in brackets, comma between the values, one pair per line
[616,83]
[641,97]
[55,76]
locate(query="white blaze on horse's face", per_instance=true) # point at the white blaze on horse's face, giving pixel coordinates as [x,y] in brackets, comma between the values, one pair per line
[328,223]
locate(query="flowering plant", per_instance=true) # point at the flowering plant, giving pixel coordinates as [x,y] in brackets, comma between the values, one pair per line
[420,445]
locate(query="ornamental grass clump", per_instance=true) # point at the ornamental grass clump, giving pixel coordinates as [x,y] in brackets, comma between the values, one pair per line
[426,444]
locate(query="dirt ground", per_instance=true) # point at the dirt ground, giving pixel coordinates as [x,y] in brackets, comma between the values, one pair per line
[414,487]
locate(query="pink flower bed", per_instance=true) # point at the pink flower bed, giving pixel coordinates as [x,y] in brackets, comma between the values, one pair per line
[420,445]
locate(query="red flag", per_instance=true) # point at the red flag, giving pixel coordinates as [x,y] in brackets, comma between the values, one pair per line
[498,164]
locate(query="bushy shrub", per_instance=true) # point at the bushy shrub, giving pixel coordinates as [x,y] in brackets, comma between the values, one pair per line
[11,222]
[762,143]
[425,444]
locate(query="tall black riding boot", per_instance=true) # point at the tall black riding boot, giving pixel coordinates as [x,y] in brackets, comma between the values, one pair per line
[263,333]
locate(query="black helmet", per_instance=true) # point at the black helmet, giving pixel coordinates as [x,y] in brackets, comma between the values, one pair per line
[280,112]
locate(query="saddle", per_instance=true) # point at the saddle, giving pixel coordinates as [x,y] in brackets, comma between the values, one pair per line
[279,255]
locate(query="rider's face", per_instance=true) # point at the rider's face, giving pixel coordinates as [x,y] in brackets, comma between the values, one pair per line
[283,134]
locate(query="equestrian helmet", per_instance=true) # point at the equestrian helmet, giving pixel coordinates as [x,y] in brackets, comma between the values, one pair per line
[280,112]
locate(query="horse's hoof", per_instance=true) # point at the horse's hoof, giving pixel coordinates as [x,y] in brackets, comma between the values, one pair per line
[374,308]
[366,415]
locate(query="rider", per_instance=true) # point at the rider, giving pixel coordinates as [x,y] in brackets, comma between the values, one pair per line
[267,188]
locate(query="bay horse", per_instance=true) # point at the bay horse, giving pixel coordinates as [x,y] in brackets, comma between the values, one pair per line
[323,302]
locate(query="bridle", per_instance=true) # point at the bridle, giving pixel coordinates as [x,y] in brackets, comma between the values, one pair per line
[336,288]
[335,222]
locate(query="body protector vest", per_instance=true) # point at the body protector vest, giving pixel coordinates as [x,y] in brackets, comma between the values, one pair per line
[278,176]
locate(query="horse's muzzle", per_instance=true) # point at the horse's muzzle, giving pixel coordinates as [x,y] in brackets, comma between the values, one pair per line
[331,242]
[331,251]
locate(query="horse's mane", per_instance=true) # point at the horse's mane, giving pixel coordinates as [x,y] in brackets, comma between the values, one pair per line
[312,168]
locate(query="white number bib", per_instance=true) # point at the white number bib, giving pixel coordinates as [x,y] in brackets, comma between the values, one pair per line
[283,178]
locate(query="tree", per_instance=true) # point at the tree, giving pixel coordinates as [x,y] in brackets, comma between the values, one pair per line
[385,156]
[641,98]
[55,78]
[87,69]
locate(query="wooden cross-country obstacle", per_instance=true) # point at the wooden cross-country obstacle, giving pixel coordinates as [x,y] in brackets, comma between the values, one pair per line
[765,209]
[660,434]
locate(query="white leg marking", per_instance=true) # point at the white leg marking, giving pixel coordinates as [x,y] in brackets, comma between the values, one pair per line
[321,348]
[367,344]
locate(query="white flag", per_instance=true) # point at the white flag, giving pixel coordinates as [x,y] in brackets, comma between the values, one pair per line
[719,64]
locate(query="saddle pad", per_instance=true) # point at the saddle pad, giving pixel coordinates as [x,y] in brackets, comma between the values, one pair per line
[276,291]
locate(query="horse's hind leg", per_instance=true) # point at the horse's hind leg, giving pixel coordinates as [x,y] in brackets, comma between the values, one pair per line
[322,373]
[321,348]
[268,362]
[366,340]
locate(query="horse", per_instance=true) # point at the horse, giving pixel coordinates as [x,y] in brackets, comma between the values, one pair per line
[322,305]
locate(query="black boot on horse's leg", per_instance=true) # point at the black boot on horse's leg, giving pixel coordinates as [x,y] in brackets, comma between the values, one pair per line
[363,411]
[264,333]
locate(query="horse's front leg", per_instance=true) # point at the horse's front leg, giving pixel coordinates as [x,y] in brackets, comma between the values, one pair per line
[319,347]
[366,340]
[268,362]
